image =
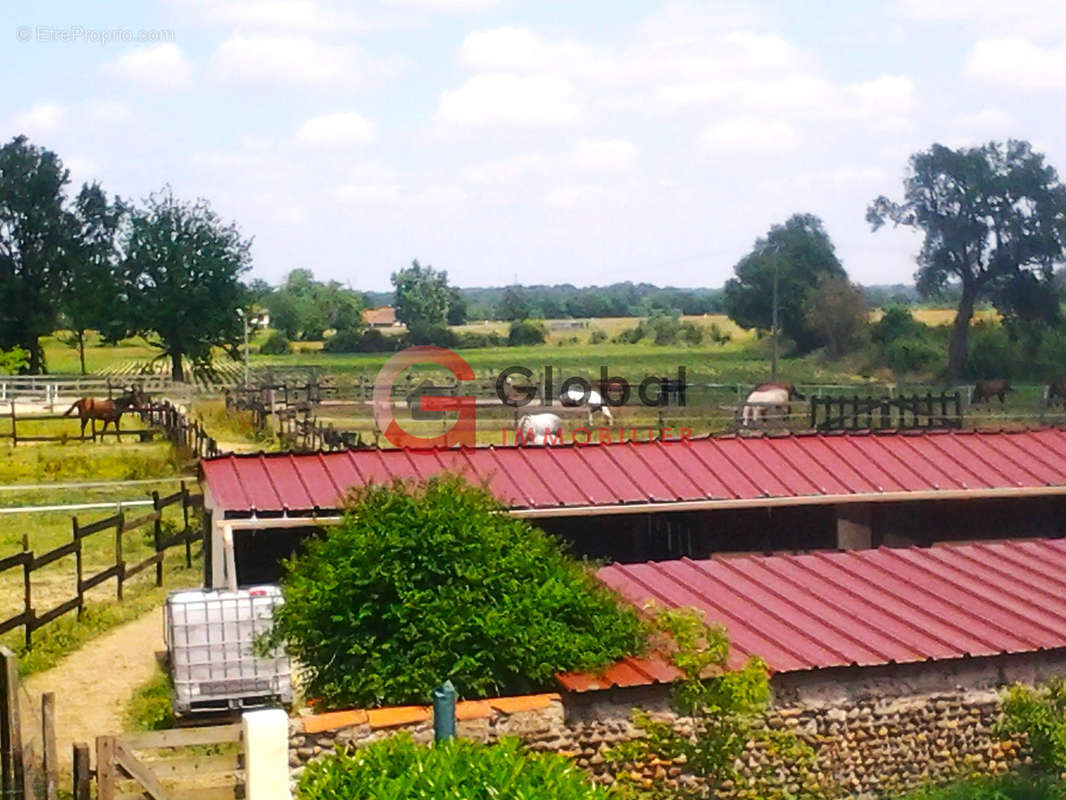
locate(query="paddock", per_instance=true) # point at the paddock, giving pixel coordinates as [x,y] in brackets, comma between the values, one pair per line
[669,499]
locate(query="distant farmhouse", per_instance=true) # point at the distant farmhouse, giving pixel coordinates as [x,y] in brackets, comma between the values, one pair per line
[384,317]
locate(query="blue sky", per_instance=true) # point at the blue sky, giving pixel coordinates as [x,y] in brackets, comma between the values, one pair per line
[548,141]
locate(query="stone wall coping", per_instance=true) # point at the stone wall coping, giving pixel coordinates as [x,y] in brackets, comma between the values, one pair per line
[394,716]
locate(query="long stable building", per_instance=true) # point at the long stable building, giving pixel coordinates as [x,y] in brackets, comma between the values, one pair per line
[673,499]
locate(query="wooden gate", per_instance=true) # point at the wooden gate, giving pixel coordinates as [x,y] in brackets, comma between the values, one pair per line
[886,413]
[179,764]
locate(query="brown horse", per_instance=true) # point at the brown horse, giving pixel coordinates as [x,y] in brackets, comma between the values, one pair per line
[108,411]
[986,390]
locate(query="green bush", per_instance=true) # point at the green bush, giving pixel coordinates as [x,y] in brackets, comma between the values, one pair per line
[718,336]
[1003,787]
[426,333]
[526,332]
[903,343]
[398,769]
[629,335]
[1039,714]
[691,333]
[474,339]
[598,336]
[423,583]
[275,344]
[151,707]
[352,341]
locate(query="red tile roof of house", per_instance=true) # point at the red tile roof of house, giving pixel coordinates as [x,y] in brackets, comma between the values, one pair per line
[386,315]
[863,607]
[712,471]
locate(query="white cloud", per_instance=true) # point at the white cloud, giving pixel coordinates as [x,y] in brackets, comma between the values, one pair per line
[42,119]
[282,15]
[159,66]
[750,135]
[604,154]
[336,130]
[989,120]
[1018,63]
[511,99]
[108,112]
[295,60]
[1039,18]
[447,5]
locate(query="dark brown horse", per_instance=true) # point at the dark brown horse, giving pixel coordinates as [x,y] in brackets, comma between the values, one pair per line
[1056,392]
[108,411]
[986,390]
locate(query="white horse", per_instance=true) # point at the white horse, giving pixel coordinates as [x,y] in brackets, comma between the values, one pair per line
[539,429]
[593,403]
[768,397]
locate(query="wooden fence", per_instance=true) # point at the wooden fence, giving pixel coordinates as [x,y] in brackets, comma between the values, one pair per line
[159,765]
[91,435]
[179,429]
[942,410]
[30,619]
[49,388]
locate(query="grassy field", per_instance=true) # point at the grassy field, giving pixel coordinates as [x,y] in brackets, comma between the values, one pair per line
[43,469]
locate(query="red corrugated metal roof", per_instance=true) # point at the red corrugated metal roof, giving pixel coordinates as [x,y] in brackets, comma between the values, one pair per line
[707,469]
[861,607]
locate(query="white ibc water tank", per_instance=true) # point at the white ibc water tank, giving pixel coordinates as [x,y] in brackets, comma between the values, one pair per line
[210,637]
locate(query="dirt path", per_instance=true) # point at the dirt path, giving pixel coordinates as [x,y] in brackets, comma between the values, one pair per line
[93,685]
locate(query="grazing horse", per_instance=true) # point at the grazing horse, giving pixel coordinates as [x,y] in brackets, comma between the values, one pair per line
[1056,392]
[594,402]
[108,411]
[767,396]
[539,429]
[986,390]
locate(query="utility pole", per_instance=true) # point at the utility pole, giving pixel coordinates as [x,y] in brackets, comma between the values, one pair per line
[244,316]
[773,357]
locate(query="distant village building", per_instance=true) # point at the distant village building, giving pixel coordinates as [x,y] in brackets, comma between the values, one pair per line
[384,317]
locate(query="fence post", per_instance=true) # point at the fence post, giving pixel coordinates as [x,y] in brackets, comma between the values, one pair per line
[80,761]
[78,566]
[48,745]
[157,537]
[105,767]
[266,755]
[14,426]
[11,776]
[27,590]
[120,567]
[185,526]
[444,712]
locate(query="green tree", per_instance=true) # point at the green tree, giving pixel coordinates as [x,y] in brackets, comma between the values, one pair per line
[802,253]
[457,310]
[182,272]
[515,305]
[13,361]
[38,242]
[422,583]
[994,219]
[93,297]
[422,295]
[837,315]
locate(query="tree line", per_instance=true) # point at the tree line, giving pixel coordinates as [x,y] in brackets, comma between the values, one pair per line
[165,269]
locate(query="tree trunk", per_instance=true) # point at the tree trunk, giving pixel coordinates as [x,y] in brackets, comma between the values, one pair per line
[81,351]
[33,347]
[960,332]
[176,371]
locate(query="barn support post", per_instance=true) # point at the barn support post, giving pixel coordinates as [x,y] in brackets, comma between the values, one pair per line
[854,529]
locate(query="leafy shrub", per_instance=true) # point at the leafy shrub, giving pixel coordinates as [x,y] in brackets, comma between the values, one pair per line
[629,335]
[1040,714]
[352,341]
[903,343]
[423,583]
[473,339]
[597,336]
[13,360]
[992,354]
[1001,787]
[398,769]
[718,336]
[428,333]
[275,344]
[691,333]
[912,354]
[526,332]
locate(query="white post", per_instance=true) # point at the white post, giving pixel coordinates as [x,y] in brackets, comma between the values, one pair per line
[266,754]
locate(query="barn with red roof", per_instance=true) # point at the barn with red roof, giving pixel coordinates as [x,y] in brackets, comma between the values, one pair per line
[660,500]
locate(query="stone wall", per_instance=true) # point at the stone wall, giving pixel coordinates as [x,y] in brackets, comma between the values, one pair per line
[876,730]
